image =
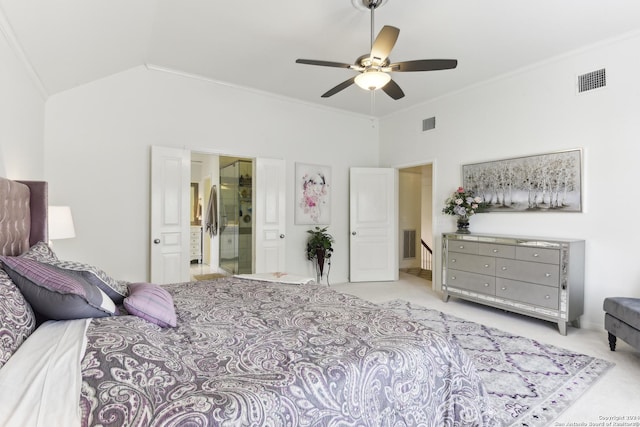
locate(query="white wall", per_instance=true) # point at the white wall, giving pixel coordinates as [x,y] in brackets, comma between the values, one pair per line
[536,111]
[97,149]
[21,118]
[426,208]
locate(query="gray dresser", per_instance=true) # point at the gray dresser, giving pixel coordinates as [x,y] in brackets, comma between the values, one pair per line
[539,277]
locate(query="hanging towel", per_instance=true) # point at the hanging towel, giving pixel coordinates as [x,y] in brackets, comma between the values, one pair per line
[211,219]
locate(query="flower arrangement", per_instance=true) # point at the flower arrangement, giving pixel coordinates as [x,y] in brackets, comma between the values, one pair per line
[463,203]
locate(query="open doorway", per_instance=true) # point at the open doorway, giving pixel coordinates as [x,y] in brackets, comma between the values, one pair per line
[415,197]
[171,204]
[221,205]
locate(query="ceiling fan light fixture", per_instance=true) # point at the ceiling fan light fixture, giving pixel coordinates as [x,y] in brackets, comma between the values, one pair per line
[372,79]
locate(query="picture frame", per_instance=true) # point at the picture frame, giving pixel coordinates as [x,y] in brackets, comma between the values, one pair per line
[550,182]
[312,194]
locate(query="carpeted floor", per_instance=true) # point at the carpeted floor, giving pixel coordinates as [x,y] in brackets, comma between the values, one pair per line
[529,383]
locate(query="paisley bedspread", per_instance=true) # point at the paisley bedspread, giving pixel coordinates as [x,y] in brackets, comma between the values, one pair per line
[249,353]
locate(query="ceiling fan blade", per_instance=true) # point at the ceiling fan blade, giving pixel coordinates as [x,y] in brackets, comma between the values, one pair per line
[425,65]
[393,90]
[384,42]
[345,84]
[322,63]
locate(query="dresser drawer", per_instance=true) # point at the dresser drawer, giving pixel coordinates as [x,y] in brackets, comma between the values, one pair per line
[549,256]
[542,296]
[463,247]
[500,251]
[471,281]
[472,263]
[535,272]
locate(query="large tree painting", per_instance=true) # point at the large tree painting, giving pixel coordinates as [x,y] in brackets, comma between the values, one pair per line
[540,183]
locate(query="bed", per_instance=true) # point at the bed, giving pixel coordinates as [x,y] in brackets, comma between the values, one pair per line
[228,352]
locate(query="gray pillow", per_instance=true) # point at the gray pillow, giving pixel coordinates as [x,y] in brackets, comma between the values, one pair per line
[54,294]
[40,252]
[115,289]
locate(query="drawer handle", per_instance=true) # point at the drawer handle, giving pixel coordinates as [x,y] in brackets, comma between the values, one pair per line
[486,266]
[536,255]
[547,297]
[453,277]
[486,285]
[504,268]
[495,251]
[453,260]
[503,288]
[547,274]
[461,247]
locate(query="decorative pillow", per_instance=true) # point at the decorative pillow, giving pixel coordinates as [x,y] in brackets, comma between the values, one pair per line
[115,289]
[54,294]
[40,252]
[17,320]
[151,303]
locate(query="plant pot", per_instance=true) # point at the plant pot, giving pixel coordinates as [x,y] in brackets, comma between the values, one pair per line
[320,253]
[463,225]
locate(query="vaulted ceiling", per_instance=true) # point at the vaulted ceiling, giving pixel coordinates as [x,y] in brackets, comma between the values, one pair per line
[254,44]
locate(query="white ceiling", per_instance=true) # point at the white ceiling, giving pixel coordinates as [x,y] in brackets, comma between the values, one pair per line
[254,44]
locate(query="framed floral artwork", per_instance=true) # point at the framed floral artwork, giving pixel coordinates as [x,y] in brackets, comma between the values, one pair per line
[313,194]
[549,182]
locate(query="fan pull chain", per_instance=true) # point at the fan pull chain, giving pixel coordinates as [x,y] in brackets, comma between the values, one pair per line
[373,102]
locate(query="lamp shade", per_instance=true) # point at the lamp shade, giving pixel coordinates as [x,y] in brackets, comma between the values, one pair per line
[372,79]
[60,223]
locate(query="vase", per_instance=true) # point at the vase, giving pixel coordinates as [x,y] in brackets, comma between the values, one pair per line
[463,225]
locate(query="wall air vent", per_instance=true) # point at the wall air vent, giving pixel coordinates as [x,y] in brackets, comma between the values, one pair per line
[409,244]
[428,124]
[593,80]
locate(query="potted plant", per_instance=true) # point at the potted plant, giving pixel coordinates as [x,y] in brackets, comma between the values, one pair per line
[319,248]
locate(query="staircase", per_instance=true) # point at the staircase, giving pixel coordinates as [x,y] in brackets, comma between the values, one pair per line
[425,270]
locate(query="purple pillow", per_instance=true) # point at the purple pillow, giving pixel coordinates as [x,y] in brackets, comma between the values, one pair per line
[54,294]
[151,303]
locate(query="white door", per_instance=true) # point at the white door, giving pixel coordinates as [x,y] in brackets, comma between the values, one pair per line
[373,221]
[270,214]
[170,194]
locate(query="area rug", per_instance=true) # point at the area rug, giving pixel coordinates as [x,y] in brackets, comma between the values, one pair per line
[529,383]
[212,276]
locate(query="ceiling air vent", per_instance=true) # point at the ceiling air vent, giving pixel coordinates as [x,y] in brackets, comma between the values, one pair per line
[428,124]
[593,80]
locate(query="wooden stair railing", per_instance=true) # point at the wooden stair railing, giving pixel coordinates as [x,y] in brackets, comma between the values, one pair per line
[427,256]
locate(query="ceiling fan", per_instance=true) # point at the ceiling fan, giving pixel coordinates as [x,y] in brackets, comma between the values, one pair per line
[374,67]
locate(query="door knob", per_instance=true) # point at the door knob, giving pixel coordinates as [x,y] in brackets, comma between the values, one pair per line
[156,241]
[282,236]
[353,233]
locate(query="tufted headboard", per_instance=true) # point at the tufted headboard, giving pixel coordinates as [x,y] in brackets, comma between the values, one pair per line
[23,215]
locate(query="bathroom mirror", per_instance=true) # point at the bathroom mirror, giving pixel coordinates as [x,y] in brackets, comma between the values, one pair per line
[196,214]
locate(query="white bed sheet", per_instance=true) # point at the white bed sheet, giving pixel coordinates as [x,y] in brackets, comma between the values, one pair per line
[40,384]
[278,277]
